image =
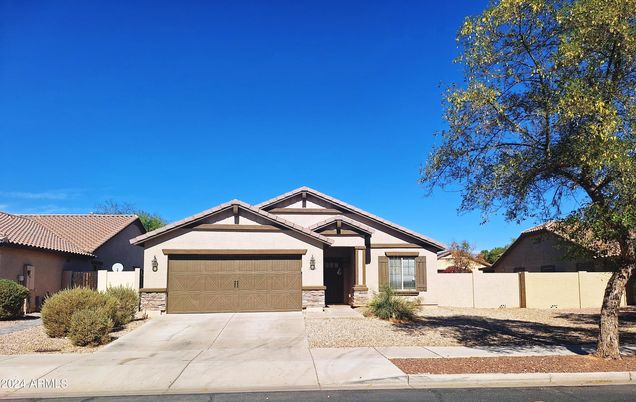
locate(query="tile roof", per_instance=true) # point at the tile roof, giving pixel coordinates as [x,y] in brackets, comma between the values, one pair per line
[201,215]
[22,231]
[344,219]
[88,231]
[353,209]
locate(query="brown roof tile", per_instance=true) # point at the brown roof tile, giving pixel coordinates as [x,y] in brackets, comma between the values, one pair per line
[87,231]
[22,231]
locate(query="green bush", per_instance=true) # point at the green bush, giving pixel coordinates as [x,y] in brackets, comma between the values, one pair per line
[387,306]
[127,304]
[59,308]
[90,326]
[12,296]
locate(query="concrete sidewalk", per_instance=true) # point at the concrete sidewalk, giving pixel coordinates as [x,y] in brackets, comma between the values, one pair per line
[415,352]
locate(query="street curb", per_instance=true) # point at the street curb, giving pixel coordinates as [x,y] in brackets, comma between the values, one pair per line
[455,380]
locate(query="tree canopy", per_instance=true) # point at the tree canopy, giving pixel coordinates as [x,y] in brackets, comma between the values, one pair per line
[149,220]
[544,125]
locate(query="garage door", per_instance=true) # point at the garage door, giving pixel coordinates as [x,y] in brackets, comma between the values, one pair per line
[225,283]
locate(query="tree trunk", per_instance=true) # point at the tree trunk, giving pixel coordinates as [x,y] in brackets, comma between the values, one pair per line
[608,342]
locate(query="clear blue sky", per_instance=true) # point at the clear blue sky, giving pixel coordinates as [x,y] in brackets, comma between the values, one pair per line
[178,106]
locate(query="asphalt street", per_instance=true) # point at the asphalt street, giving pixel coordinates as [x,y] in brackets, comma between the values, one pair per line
[561,394]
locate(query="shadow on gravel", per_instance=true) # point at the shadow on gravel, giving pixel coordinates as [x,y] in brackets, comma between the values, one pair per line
[485,331]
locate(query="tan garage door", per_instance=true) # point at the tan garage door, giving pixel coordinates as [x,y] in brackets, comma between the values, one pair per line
[207,284]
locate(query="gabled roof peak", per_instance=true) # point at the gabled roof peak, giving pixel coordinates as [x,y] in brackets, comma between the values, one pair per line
[221,207]
[351,209]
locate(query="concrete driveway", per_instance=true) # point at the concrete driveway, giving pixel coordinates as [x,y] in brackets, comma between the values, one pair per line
[201,353]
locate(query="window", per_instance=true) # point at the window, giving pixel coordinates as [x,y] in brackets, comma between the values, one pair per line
[402,273]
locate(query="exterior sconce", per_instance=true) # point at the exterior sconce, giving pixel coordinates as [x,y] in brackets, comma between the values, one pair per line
[155,264]
[312,263]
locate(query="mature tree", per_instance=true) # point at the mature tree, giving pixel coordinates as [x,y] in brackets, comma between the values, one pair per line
[149,220]
[463,257]
[493,254]
[544,126]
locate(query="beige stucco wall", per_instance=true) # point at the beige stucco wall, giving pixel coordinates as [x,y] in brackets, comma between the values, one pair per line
[118,249]
[192,239]
[551,290]
[478,290]
[109,279]
[565,289]
[47,268]
[455,290]
[496,290]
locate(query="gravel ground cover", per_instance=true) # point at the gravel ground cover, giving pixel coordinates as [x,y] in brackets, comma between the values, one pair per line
[534,364]
[35,340]
[445,326]
[21,320]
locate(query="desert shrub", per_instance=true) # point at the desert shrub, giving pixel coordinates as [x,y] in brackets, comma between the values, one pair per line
[388,306]
[90,326]
[60,307]
[127,304]
[12,296]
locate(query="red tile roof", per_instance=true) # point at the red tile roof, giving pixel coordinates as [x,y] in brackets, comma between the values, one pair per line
[87,231]
[76,234]
[22,231]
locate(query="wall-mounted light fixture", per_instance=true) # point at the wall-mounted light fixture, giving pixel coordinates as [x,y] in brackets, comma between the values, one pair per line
[155,264]
[312,263]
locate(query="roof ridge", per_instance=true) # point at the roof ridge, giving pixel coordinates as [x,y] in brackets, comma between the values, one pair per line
[355,209]
[220,207]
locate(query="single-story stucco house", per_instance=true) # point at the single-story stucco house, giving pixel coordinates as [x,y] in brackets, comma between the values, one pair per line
[301,249]
[542,249]
[35,250]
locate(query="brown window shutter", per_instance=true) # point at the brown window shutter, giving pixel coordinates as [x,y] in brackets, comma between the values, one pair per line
[383,270]
[420,273]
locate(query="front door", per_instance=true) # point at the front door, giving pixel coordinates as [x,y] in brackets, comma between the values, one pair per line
[334,281]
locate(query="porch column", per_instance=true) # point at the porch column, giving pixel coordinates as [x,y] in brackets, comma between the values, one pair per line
[360,291]
[360,267]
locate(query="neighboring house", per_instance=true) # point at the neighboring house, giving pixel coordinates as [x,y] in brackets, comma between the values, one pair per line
[445,261]
[301,249]
[541,249]
[36,249]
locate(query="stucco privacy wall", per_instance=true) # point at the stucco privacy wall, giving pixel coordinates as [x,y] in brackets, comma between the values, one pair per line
[109,279]
[497,291]
[478,290]
[564,289]
[455,290]
[194,239]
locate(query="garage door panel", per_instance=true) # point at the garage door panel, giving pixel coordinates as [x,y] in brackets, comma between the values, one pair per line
[220,301]
[285,281]
[218,282]
[239,283]
[185,302]
[257,281]
[279,300]
[187,282]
